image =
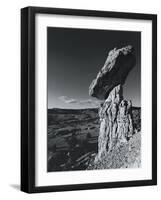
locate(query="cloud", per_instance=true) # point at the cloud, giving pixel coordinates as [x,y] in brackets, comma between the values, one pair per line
[66,99]
[90,102]
[87,102]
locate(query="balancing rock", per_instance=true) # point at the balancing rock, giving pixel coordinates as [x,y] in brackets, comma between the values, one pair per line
[118,64]
[116,124]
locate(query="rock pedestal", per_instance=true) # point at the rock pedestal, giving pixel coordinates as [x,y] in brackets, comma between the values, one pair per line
[115,114]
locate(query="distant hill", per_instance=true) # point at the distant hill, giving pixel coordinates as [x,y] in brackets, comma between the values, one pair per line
[58,115]
[72,111]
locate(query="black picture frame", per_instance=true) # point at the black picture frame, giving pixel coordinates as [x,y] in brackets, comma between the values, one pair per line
[28,98]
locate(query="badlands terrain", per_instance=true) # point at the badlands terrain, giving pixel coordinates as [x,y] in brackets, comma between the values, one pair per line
[73,140]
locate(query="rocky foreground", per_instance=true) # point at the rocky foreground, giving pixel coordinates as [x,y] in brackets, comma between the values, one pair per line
[126,155]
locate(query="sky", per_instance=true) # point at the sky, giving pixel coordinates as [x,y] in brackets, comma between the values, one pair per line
[74,58]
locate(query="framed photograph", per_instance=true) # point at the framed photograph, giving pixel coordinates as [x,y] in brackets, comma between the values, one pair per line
[88,99]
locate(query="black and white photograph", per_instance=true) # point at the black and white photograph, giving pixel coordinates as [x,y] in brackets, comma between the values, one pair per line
[93,99]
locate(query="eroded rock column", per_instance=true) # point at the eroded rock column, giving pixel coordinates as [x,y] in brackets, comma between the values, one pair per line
[115,122]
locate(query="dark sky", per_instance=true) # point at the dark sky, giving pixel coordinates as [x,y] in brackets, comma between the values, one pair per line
[74,58]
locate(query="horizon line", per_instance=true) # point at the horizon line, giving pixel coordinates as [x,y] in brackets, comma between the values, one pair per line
[84,108]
